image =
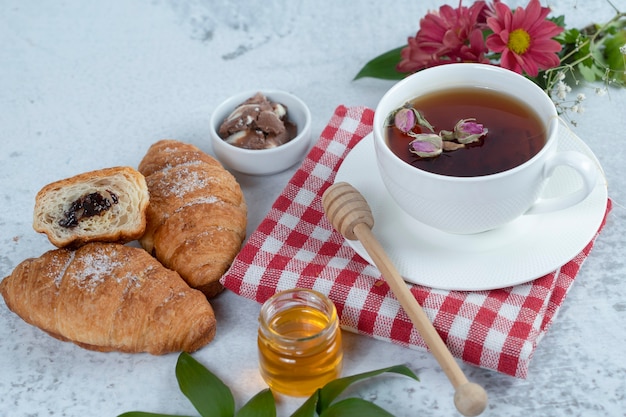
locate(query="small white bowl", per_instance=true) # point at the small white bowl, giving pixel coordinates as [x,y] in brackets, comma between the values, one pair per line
[263,161]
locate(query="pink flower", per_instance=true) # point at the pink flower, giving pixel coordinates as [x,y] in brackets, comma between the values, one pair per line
[524,38]
[426,145]
[450,35]
[405,119]
[466,131]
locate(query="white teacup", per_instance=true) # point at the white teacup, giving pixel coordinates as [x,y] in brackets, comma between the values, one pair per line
[466,205]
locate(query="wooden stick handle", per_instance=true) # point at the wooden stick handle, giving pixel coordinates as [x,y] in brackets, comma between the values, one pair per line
[411,306]
[350,214]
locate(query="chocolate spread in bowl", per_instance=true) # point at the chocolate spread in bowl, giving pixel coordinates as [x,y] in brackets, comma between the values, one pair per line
[258,123]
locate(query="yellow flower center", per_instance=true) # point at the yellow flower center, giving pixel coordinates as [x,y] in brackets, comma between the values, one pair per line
[519,41]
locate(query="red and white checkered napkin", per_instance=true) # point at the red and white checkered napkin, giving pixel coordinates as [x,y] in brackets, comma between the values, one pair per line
[295,246]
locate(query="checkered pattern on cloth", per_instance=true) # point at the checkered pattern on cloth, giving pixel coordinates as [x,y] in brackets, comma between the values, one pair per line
[295,246]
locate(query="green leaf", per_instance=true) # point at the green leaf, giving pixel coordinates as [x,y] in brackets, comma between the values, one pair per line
[559,20]
[588,73]
[615,60]
[585,55]
[334,388]
[308,409]
[208,394]
[569,36]
[261,405]
[383,66]
[355,407]
[611,47]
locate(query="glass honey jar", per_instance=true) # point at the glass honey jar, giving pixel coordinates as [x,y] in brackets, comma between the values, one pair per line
[299,342]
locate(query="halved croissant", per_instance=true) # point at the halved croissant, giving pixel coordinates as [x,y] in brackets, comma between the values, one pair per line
[106,205]
[197,216]
[107,296]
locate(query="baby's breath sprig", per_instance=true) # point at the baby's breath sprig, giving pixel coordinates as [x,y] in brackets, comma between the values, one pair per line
[594,53]
[558,90]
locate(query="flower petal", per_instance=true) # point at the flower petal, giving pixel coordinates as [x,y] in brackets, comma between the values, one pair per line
[510,61]
[530,67]
[404,120]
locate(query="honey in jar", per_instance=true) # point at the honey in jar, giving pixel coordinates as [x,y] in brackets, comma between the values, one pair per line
[299,342]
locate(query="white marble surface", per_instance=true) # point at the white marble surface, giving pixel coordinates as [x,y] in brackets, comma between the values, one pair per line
[86,85]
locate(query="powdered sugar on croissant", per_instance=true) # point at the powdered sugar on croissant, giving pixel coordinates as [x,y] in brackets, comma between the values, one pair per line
[197,216]
[107,296]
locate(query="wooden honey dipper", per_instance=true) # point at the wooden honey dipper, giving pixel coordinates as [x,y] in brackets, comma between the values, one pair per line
[350,215]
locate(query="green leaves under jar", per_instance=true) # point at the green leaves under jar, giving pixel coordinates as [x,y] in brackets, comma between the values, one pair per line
[212,398]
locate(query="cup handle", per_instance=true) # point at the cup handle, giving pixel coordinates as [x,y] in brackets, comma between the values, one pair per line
[585,168]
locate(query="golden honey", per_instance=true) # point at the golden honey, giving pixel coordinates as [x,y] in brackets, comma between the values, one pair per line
[299,342]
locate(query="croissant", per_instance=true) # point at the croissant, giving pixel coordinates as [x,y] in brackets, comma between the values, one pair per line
[107,205]
[110,297]
[197,216]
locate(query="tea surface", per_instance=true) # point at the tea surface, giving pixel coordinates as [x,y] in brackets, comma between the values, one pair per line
[515,135]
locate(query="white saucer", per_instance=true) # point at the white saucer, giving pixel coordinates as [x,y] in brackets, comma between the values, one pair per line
[527,248]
